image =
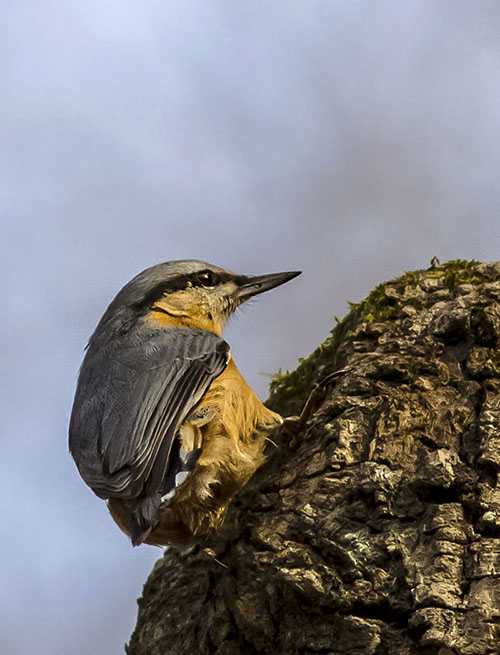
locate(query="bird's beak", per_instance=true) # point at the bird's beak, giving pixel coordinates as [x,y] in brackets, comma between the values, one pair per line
[251,286]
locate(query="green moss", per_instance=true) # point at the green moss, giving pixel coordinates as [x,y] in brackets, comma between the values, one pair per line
[383,304]
[292,388]
[377,306]
[455,271]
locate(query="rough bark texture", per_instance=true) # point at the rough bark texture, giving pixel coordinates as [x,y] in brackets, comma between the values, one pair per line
[375,529]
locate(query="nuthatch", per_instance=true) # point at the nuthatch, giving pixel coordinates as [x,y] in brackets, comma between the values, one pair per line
[164,426]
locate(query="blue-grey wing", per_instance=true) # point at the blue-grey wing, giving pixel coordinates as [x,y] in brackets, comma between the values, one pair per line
[130,403]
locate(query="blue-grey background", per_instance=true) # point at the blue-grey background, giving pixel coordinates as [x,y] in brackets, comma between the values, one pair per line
[348,138]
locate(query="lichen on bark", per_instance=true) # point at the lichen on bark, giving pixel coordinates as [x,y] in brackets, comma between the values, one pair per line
[375,529]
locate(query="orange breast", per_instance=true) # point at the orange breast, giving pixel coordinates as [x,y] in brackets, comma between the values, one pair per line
[165,316]
[232,442]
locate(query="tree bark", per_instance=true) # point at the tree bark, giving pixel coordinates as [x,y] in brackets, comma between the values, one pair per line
[374,529]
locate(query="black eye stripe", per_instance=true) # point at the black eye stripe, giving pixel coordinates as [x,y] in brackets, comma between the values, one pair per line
[179,283]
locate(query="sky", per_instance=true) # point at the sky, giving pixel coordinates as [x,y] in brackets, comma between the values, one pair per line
[349,139]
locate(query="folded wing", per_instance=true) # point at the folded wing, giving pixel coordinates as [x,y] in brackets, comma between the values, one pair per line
[129,405]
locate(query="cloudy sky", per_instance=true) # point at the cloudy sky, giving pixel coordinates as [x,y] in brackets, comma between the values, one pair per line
[350,139]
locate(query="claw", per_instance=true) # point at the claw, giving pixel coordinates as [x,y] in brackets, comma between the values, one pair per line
[211,554]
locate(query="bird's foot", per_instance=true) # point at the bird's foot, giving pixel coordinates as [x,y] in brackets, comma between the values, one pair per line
[291,423]
[291,428]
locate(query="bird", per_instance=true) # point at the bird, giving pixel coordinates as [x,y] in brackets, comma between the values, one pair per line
[164,426]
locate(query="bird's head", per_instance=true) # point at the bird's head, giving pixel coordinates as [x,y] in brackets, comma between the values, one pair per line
[190,293]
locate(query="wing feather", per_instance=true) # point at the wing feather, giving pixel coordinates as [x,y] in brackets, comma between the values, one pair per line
[130,403]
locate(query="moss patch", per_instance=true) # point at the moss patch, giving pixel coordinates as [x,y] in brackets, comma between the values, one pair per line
[386,303]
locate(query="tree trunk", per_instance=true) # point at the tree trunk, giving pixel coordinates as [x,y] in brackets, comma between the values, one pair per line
[374,529]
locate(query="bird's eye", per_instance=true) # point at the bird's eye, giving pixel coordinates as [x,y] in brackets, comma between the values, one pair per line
[207,279]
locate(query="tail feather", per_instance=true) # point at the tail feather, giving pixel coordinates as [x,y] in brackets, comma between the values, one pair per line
[138,533]
[144,519]
[139,517]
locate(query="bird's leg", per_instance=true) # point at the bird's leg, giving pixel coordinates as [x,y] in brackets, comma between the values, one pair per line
[293,423]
